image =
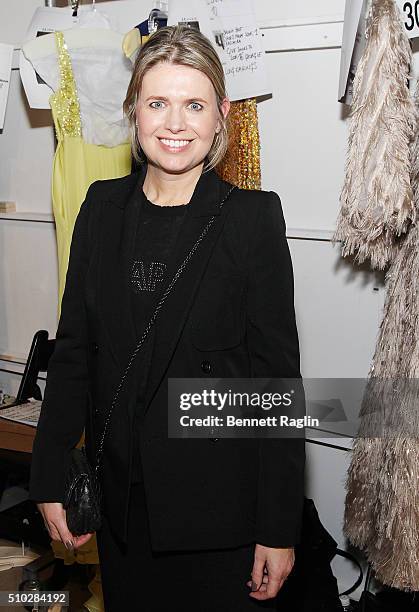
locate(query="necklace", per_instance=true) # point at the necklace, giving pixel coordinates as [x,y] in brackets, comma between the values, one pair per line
[167,205]
[164,205]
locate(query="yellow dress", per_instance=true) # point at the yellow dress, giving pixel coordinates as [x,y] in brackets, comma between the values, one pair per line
[76,163]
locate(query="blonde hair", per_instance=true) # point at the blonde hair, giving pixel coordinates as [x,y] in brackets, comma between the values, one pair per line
[188,47]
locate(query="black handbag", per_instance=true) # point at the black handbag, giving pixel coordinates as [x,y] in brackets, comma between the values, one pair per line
[311,585]
[83,495]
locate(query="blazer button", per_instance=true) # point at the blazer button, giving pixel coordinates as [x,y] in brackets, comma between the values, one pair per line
[214,439]
[206,366]
[95,347]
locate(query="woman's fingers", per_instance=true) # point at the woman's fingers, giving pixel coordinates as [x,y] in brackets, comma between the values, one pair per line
[55,519]
[264,581]
[82,539]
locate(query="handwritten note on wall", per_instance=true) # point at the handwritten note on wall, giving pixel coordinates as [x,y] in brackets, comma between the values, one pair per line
[231,27]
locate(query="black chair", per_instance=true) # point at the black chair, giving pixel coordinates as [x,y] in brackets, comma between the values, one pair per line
[15,465]
[22,521]
[38,358]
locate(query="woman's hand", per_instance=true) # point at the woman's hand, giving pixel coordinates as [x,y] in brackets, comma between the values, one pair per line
[271,567]
[55,521]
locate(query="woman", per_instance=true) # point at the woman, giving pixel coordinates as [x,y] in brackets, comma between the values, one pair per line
[196,524]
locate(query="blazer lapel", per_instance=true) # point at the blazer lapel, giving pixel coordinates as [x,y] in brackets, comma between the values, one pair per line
[118,233]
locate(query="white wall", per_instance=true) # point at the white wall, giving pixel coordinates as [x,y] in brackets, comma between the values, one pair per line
[303,140]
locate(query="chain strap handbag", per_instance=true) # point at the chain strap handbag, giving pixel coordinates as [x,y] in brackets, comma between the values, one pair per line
[83,494]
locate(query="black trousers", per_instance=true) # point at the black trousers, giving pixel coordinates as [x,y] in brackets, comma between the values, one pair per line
[136,578]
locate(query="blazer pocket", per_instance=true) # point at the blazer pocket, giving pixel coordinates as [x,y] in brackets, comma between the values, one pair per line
[217,315]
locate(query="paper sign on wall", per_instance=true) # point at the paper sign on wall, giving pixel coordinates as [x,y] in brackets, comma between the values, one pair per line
[353,44]
[231,27]
[409,13]
[6,54]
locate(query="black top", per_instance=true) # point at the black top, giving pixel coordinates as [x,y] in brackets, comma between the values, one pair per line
[157,232]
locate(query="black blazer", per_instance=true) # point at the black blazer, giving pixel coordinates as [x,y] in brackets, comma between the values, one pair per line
[230,315]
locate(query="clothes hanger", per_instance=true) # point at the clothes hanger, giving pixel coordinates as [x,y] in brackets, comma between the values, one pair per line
[75,7]
[156,20]
[142,31]
[93,19]
[158,17]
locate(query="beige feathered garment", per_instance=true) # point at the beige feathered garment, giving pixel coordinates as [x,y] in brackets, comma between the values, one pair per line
[382,502]
[376,198]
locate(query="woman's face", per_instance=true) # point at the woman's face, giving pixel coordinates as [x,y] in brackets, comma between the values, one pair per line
[177,117]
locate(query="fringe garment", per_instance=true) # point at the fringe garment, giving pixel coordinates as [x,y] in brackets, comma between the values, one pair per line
[382,502]
[376,198]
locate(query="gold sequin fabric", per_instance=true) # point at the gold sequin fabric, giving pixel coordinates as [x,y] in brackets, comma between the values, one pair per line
[64,101]
[241,165]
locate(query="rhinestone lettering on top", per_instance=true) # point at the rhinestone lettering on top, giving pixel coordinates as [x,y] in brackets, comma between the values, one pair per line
[145,276]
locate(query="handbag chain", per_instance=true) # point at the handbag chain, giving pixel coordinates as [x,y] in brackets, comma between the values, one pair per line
[150,325]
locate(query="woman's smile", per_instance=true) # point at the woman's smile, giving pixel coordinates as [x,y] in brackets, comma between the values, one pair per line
[174,145]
